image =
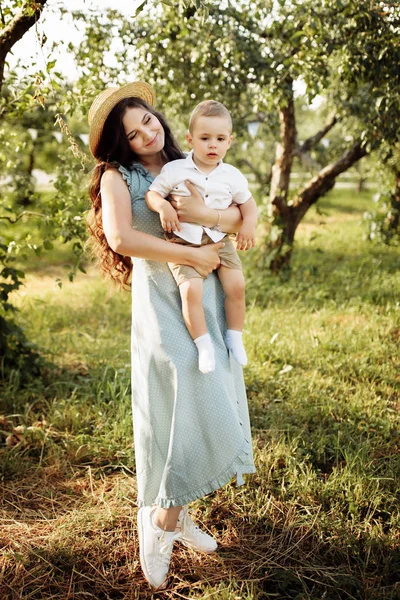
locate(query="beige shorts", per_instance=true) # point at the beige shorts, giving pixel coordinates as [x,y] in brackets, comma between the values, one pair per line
[228,256]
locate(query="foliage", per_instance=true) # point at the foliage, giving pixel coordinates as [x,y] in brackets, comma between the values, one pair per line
[28,111]
[382,223]
[246,54]
[249,55]
[18,354]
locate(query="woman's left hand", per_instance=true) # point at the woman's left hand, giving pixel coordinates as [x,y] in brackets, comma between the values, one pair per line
[190,209]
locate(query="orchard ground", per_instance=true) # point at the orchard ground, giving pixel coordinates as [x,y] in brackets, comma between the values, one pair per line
[319,519]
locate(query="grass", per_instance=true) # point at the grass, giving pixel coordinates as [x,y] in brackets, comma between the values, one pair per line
[319,520]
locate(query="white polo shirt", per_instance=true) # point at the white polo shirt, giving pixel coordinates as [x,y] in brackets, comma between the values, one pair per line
[220,188]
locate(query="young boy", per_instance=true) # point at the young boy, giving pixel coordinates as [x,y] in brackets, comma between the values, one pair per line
[209,136]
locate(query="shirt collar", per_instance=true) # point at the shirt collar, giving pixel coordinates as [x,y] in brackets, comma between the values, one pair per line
[192,164]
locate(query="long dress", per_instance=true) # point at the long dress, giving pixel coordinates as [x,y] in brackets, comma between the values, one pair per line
[191,430]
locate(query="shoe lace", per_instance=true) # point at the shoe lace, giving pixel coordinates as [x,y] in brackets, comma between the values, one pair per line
[186,524]
[166,543]
[189,526]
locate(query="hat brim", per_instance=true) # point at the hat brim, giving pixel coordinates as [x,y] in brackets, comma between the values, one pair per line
[103,104]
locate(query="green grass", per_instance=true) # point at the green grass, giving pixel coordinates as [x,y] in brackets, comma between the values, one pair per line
[319,520]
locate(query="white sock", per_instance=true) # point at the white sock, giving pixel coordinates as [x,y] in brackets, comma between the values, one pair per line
[234,342]
[205,349]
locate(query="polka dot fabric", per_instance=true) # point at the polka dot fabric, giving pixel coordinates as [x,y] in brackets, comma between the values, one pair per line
[191,430]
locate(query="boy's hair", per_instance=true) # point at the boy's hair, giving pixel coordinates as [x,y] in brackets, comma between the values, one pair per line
[209,108]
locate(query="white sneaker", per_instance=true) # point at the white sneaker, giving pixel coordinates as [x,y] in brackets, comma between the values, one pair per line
[155,547]
[193,537]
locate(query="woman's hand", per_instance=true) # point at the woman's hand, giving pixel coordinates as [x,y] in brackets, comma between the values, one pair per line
[206,259]
[190,209]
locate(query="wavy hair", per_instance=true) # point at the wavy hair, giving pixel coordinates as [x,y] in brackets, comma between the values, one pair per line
[114,149]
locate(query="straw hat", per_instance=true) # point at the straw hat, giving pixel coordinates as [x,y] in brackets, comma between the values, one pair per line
[103,104]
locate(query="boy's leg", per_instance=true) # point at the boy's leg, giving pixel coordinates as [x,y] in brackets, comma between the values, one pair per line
[191,292]
[233,284]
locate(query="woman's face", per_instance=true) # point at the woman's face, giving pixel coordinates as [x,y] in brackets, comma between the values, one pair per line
[144,131]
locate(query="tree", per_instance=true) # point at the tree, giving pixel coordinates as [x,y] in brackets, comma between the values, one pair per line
[39,102]
[250,55]
[21,101]
[384,222]
[17,24]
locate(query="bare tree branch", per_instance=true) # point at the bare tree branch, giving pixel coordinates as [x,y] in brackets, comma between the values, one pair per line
[24,213]
[312,141]
[262,179]
[16,28]
[2,16]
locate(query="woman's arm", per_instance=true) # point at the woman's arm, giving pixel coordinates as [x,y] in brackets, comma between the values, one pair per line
[123,239]
[191,209]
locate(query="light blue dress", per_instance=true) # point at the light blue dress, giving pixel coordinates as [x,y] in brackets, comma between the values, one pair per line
[191,430]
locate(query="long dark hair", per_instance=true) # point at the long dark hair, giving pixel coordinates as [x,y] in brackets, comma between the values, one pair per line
[112,148]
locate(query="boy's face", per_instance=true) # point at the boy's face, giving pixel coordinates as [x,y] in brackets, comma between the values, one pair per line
[210,139]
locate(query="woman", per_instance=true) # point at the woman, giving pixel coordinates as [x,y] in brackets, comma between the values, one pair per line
[191,430]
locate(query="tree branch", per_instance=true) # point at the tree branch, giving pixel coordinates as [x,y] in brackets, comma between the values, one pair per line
[16,28]
[308,161]
[312,141]
[28,213]
[324,181]
[260,177]
[2,15]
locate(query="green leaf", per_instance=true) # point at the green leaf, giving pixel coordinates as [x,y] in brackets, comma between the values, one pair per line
[48,245]
[50,65]
[382,53]
[139,8]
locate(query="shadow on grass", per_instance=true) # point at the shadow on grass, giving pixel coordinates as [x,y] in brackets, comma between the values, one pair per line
[75,537]
[345,201]
[69,529]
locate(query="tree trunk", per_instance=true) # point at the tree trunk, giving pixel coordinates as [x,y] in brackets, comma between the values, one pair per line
[280,181]
[285,149]
[293,212]
[360,184]
[394,219]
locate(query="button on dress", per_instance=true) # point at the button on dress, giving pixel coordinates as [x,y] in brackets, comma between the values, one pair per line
[191,430]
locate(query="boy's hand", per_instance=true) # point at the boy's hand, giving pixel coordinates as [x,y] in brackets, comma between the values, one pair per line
[246,238]
[169,218]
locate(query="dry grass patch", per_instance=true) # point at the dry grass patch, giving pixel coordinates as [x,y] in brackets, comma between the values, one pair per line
[72,535]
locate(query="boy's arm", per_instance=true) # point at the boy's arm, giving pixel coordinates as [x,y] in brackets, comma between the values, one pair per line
[168,215]
[246,238]
[154,200]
